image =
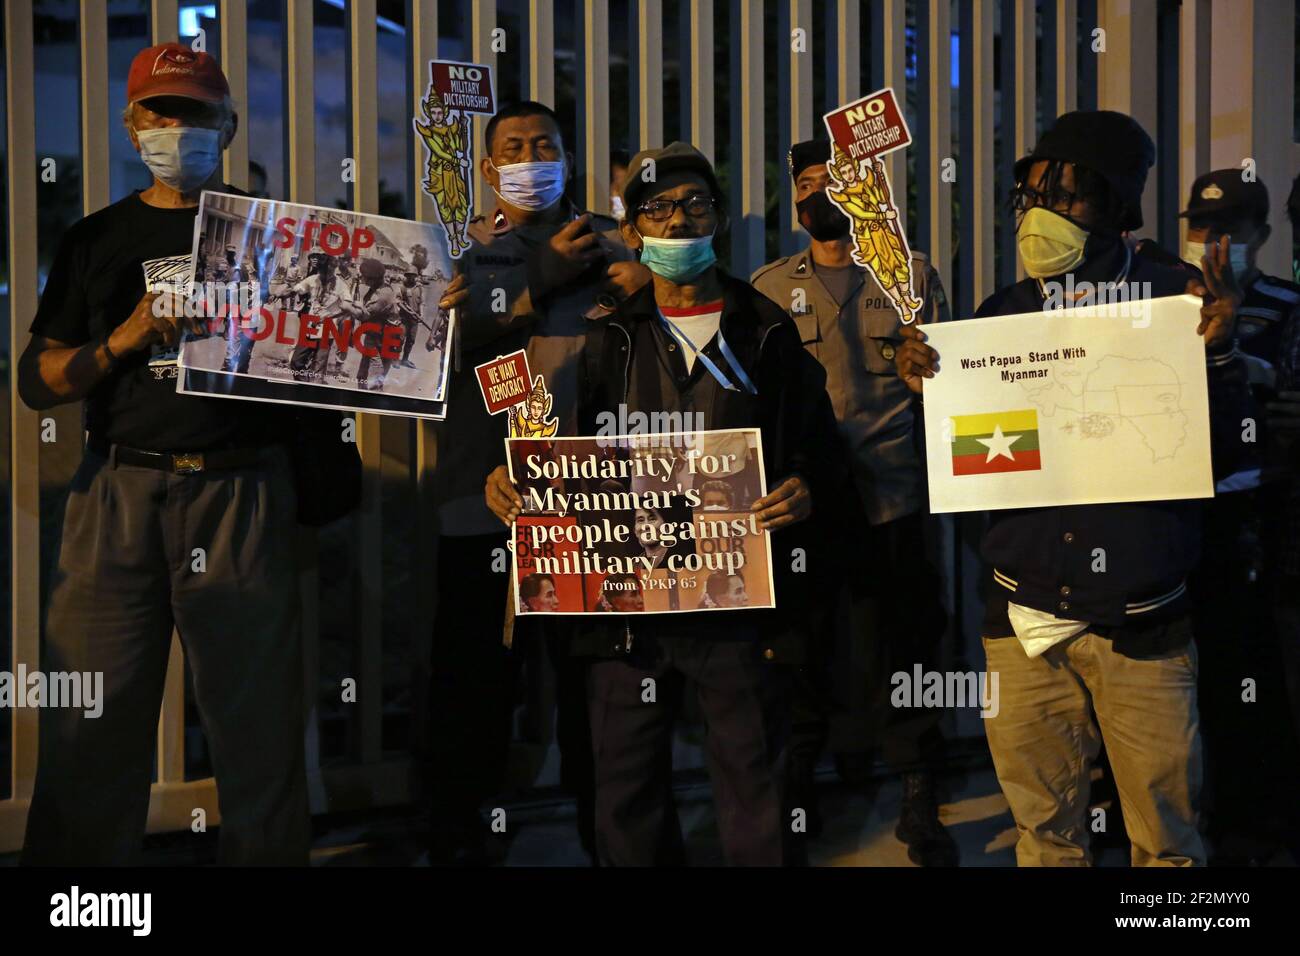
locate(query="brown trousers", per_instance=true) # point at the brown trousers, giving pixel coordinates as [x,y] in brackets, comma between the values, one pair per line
[127,572]
[1052,713]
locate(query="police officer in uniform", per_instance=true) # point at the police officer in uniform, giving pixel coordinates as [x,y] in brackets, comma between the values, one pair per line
[539,271]
[1250,562]
[847,322]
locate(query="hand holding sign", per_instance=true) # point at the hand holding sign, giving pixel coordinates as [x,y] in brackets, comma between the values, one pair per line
[456,293]
[502,496]
[788,503]
[915,361]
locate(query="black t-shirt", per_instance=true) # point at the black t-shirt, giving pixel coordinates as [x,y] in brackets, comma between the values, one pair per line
[94,285]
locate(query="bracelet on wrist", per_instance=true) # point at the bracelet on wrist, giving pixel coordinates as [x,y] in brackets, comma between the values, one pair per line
[108,349]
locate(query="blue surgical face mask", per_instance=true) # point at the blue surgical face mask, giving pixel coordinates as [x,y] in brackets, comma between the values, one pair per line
[183,157]
[531,186]
[678,260]
[1238,255]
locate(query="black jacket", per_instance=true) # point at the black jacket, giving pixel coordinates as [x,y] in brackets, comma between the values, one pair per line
[1049,558]
[628,360]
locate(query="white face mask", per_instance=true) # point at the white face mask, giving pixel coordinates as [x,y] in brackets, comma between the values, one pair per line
[183,157]
[617,207]
[531,186]
[1238,255]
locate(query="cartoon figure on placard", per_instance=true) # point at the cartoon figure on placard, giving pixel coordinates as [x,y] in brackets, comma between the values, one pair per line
[862,192]
[446,135]
[455,91]
[530,419]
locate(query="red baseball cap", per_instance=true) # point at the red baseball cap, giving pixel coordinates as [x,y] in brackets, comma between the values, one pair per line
[173,69]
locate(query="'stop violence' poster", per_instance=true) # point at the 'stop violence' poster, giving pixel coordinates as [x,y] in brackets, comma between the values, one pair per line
[637,524]
[318,306]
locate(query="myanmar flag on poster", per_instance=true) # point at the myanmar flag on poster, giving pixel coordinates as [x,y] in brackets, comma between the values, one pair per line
[995,442]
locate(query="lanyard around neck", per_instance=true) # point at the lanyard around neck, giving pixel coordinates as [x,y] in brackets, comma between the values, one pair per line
[709,364]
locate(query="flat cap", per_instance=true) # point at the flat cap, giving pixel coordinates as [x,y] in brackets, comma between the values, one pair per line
[675,157]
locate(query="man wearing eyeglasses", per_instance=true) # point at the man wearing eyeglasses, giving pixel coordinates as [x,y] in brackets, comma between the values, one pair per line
[1087,620]
[696,341]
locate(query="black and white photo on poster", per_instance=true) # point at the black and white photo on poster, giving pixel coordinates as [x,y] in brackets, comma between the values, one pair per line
[342,303]
[167,274]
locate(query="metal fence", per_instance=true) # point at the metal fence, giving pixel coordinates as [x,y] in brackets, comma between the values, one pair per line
[1212,80]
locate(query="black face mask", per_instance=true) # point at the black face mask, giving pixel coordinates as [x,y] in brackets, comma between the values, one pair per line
[822,218]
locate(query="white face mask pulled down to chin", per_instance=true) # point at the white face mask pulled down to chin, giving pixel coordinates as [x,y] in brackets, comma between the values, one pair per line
[182,157]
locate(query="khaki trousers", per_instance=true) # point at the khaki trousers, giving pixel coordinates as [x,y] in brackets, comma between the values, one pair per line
[1053,713]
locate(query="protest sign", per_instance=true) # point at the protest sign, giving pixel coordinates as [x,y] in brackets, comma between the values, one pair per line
[1088,405]
[504,383]
[868,127]
[640,523]
[330,308]
[455,90]
[165,275]
[861,132]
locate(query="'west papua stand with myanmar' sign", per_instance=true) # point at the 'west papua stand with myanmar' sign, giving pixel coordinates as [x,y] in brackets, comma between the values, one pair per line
[1080,406]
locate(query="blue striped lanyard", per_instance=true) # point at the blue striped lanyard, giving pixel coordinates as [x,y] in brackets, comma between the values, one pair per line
[712,366]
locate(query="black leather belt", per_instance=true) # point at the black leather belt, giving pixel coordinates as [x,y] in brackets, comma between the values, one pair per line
[178,463]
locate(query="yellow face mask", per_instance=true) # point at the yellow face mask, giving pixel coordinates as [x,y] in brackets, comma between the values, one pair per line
[1049,244]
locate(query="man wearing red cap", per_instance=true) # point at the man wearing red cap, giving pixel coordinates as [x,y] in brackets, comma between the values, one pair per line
[181,515]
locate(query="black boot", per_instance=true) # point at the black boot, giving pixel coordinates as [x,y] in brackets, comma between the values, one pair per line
[928,843]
